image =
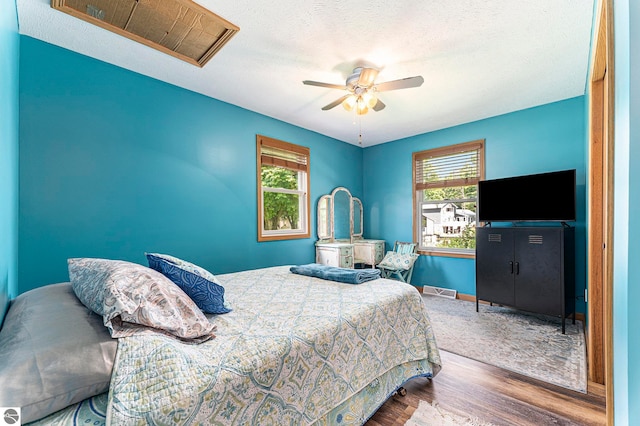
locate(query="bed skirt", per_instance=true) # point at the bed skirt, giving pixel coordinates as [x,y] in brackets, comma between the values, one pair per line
[356,410]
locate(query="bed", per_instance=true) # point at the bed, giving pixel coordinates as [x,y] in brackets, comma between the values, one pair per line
[290,349]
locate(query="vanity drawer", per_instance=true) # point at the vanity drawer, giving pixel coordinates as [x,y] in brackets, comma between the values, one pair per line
[379,252]
[332,254]
[369,252]
[346,261]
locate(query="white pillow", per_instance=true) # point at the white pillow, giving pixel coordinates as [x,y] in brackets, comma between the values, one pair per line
[132,298]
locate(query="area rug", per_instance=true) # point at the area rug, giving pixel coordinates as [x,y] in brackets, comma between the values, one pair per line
[428,414]
[529,344]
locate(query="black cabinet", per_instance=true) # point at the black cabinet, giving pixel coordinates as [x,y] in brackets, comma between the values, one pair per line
[530,268]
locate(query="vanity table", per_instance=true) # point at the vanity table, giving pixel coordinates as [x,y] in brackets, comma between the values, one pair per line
[340,242]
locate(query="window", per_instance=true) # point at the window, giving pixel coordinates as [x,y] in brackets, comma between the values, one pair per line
[283,190]
[445,185]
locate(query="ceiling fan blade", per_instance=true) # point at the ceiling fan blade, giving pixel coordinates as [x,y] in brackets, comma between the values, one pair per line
[320,84]
[403,83]
[379,106]
[335,103]
[367,77]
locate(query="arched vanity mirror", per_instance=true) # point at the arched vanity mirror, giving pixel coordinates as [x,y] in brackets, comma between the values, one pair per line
[340,228]
[342,214]
[357,217]
[325,230]
[339,216]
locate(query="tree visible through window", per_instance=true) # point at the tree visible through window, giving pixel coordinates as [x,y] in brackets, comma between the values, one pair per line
[283,190]
[281,210]
[445,182]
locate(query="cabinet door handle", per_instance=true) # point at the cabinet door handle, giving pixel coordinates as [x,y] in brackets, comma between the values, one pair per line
[511,265]
[517,268]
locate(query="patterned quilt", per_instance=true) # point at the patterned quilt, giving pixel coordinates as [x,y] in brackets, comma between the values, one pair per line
[292,350]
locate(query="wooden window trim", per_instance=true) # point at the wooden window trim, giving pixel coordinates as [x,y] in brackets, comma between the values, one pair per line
[264,141]
[444,253]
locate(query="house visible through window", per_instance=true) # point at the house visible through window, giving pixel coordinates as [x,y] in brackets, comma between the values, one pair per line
[283,190]
[445,184]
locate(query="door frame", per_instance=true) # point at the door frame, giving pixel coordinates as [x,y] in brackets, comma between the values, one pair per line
[600,206]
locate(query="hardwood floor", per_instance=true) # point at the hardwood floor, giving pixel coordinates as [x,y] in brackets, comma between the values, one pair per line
[491,394]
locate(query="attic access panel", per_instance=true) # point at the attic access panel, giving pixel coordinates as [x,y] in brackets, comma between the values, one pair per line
[180,28]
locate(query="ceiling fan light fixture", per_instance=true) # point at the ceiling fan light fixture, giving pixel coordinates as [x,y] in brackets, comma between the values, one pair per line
[369,97]
[349,103]
[361,106]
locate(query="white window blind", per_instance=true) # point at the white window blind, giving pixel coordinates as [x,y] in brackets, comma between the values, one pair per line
[273,156]
[457,165]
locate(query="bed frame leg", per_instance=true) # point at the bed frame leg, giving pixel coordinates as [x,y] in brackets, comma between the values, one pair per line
[401,391]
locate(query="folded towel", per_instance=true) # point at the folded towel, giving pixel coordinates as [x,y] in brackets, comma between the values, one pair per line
[343,275]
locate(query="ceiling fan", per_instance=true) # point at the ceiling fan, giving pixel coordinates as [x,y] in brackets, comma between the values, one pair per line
[362,90]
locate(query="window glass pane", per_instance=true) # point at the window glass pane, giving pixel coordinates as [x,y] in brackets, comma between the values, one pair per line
[278,177]
[448,225]
[281,211]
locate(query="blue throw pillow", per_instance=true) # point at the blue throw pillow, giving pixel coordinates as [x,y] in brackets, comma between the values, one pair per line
[199,284]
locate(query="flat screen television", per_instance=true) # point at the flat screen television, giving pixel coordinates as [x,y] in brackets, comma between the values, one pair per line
[540,197]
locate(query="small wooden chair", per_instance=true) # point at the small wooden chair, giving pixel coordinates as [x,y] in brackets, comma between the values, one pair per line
[398,263]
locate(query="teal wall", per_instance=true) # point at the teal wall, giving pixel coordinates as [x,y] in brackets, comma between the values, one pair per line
[545,138]
[9,53]
[626,234]
[113,164]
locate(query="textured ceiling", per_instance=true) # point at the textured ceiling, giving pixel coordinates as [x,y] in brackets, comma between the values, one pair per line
[479,58]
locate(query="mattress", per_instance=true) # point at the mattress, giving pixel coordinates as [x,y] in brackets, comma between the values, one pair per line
[295,349]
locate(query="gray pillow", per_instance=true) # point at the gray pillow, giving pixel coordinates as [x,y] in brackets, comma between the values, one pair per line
[54,352]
